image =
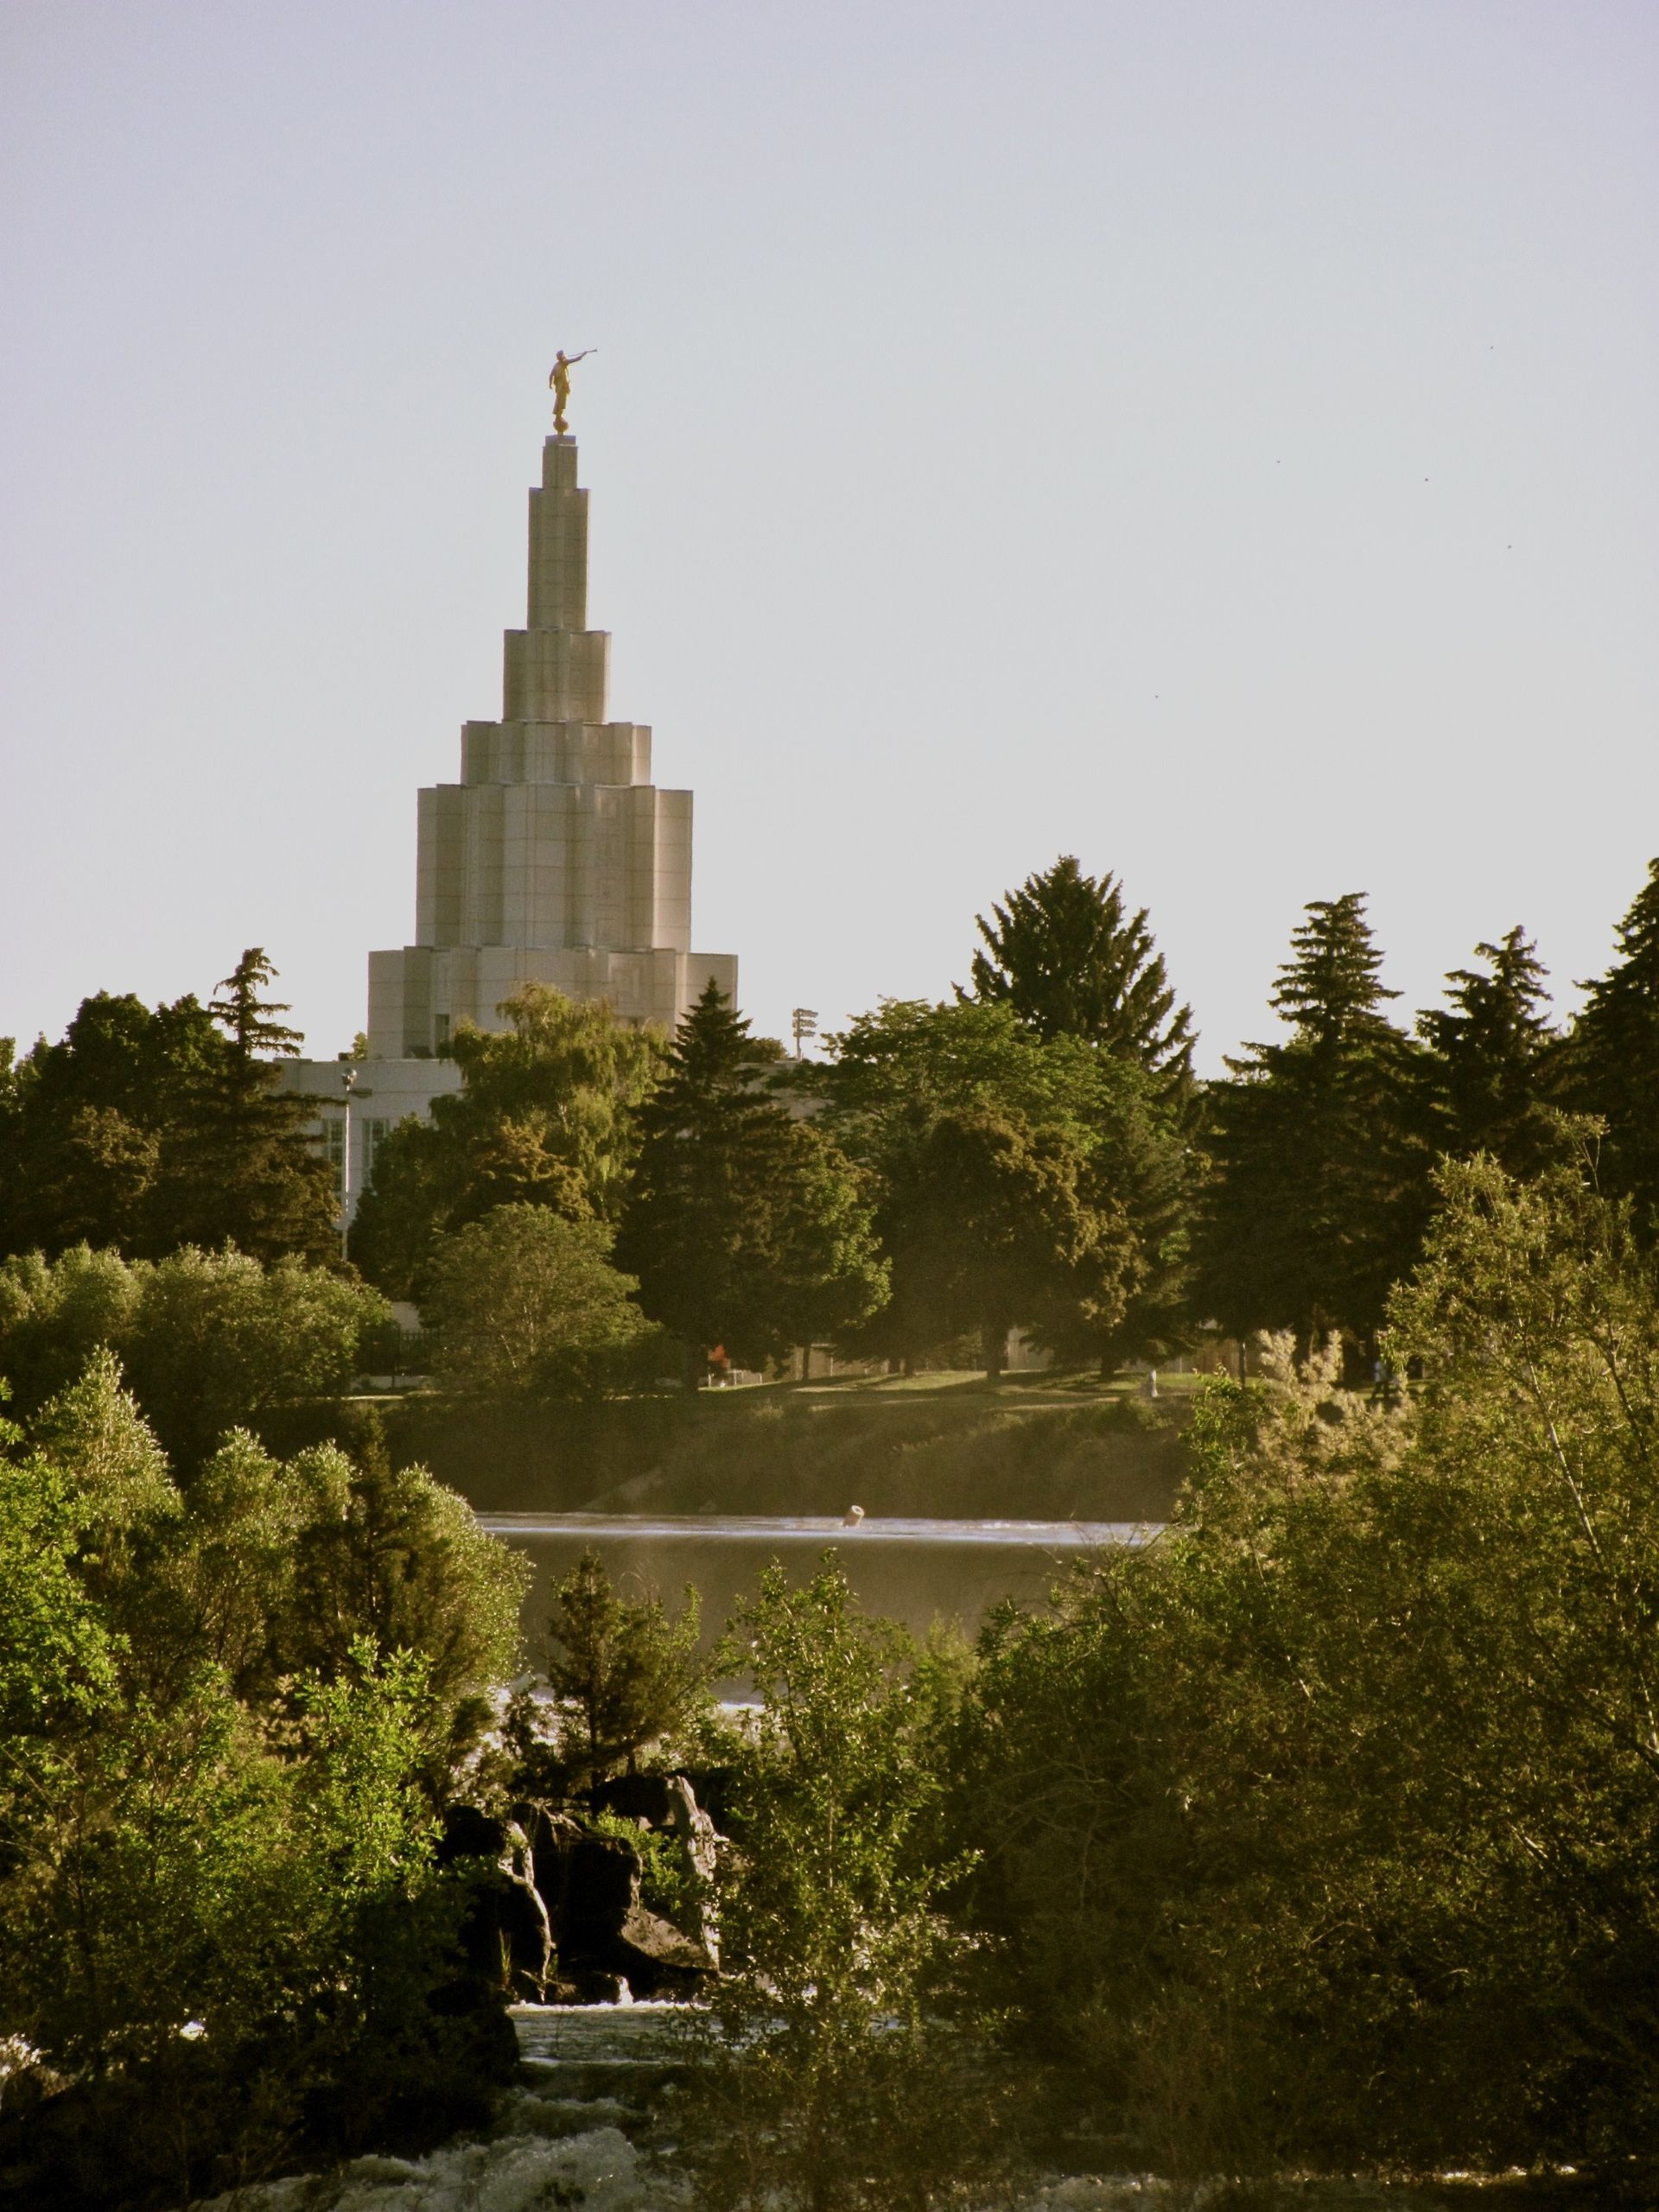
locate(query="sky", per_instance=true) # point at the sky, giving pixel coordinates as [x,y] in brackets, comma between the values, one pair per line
[1218,441]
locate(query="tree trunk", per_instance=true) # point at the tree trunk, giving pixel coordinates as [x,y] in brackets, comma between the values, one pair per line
[996,1351]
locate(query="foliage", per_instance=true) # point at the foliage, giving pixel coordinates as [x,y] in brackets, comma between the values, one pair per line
[988,1223]
[209,1340]
[1064,956]
[526,1303]
[828,2076]
[1089,1125]
[623,1671]
[547,1117]
[144,1129]
[246,1172]
[1494,1066]
[1325,1831]
[1320,1187]
[223,1714]
[1612,1055]
[745,1228]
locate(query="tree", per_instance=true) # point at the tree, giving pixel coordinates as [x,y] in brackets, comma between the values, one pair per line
[745,1228]
[247,1173]
[623,1671]
[985,1225]
[93,1128]
[526,1303]
[831,2075]
[211,1339]
[1612,1054]
[898,1071]
[1493,1075]
[1321,1835]
[548,1117]
[227,1712]
[1320,1187]
[1064,955]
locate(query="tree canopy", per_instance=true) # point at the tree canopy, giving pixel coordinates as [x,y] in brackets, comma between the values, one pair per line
[744,1227]
[1612,1055]
[1062,952]
[1319,1188]
[548,1116]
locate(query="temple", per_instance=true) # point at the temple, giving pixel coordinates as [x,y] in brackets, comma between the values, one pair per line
[554,859]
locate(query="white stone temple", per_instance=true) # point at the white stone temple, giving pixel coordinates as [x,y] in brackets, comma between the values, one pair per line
[555,860]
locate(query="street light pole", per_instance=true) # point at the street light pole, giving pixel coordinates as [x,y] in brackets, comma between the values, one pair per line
[348,1079]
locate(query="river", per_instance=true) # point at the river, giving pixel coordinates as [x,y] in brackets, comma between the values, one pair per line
[917,1572]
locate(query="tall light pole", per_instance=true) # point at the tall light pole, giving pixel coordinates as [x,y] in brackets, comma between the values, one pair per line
[348,1080]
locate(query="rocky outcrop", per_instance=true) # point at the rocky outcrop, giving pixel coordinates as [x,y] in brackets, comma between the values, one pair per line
[560,1914]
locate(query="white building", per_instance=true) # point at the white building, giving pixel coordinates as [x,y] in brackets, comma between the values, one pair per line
[555,860]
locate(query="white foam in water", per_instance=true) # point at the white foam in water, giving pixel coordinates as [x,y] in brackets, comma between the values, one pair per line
[600,2170]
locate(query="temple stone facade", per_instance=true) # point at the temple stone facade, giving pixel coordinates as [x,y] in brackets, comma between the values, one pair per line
[554,859]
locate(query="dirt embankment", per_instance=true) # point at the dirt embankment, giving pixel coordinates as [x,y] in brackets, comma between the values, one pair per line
[960,1452]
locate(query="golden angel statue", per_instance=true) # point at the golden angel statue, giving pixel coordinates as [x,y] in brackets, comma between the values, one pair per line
[559,385]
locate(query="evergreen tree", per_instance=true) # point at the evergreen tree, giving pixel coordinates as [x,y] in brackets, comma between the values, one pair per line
[745,1229]
[1320,1189]
[1612,1055]
[246,1174]
[1493,1070]
[1061,951]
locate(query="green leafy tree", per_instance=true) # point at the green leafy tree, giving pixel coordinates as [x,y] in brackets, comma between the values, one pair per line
[1062,952]
[210,1339]
[1322,1832]
[1095,1119]
[92,1129]
[829,2074]
[1320,1186]
[623,1671]
[988,1224]
[526,1303]
[219,1910]
[1612,1054]
[548,1116]
[1493,1074]
[745,1228]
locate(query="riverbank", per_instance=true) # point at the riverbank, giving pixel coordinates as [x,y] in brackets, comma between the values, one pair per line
[944,1446]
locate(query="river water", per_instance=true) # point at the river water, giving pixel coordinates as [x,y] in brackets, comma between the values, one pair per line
[917,1572]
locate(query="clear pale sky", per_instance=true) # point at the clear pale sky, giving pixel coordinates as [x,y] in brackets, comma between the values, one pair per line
[1218,440]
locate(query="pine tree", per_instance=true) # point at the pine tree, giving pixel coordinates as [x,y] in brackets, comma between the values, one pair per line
[1494,1072]
[745,1229]
[1065,958]
[1320,1189]
[1612,1055]
[1064,955]
[244,1173]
